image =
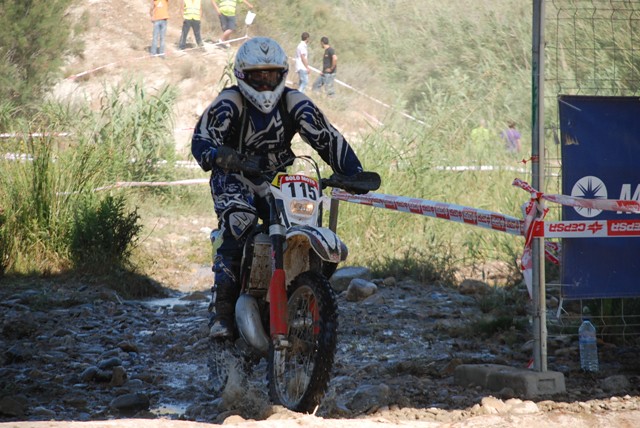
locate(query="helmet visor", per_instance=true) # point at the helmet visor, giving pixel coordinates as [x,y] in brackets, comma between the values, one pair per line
[264,79]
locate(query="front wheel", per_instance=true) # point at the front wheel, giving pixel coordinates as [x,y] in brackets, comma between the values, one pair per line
[300,369]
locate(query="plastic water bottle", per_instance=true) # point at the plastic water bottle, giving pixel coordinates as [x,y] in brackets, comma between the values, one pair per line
[588,346]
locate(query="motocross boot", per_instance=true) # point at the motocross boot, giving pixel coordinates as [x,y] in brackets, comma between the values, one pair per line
[221,320]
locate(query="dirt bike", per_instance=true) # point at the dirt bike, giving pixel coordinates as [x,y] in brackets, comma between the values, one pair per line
[285,290]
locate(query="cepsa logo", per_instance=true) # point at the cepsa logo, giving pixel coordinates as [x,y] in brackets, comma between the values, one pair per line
[571,227]
[624,227]
[576,227]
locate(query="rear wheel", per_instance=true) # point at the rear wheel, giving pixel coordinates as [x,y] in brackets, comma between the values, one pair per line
[300,370]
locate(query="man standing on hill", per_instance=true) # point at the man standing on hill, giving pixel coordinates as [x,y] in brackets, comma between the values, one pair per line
[329,68]
[192,14]
[302,62]
[227,13]
[159,16]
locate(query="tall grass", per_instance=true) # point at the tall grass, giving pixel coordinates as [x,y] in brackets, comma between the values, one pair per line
[426,247]
[48,199]
[134,131]
[449,65]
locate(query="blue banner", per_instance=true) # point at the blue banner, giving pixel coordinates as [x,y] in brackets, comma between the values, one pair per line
[600,159]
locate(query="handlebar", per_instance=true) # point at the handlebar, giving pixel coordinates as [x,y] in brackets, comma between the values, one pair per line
[359,183]
[253,166]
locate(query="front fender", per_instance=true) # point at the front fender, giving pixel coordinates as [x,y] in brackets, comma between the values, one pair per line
[326,244]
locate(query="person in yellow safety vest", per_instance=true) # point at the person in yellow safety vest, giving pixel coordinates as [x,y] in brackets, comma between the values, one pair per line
[227,13]
[192,15]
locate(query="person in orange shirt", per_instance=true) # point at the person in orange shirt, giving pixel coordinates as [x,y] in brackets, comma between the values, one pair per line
[159,16]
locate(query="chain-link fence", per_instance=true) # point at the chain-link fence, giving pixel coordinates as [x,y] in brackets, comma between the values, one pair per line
[592,47]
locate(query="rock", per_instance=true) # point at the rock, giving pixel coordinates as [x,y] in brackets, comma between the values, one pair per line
[18,353]
[43,413]
[119,376]
[367,397]
[616,384]
[389,281]
[493,405]
[89,374]
[127,346]
[360,289]
[109,363]
[20,326]
[12,406]
[519,407]
[130,404]
[341,279]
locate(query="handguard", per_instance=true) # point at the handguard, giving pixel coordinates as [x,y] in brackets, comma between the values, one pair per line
[358,184]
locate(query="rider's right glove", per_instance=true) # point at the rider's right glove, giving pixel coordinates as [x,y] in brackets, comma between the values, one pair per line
[228,158]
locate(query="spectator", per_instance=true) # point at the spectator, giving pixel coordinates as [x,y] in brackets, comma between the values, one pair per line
[227,13]
[511,137]
[159,16]
[191,15]
[329,68]
[480,135]
[302,62]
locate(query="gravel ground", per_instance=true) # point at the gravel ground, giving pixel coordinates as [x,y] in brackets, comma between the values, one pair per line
[78,352]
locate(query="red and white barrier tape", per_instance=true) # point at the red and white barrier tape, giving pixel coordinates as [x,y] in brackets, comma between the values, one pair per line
[587,229]
[572,201]
[458,213]
[531,227]
[536,227]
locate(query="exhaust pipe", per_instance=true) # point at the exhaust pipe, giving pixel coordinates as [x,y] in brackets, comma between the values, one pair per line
[249,323]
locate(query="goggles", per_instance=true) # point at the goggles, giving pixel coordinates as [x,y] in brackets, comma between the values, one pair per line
[263,80]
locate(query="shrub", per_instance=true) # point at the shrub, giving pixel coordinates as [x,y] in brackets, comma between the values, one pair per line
[104,234]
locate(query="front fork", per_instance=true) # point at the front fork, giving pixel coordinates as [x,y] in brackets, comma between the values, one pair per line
[278,307]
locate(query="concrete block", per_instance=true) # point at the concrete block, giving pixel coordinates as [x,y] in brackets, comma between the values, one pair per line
[524,382]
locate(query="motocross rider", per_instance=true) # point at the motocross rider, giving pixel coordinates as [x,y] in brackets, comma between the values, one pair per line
[258,117]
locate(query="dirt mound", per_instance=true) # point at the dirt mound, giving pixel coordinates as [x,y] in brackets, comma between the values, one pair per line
[117,43]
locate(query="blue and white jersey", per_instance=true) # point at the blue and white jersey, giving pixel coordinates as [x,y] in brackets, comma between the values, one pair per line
[270,135]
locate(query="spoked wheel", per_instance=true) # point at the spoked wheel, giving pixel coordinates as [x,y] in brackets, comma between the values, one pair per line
[300,370]
[221,360]
[227,360]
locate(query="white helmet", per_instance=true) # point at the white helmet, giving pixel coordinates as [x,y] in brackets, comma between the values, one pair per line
[261,67]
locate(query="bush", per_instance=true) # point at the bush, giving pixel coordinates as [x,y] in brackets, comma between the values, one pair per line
[104,235]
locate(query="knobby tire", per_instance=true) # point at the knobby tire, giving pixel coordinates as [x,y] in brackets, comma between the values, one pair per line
[299,374]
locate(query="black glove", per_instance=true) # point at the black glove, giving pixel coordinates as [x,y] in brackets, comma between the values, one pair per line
[228,158]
